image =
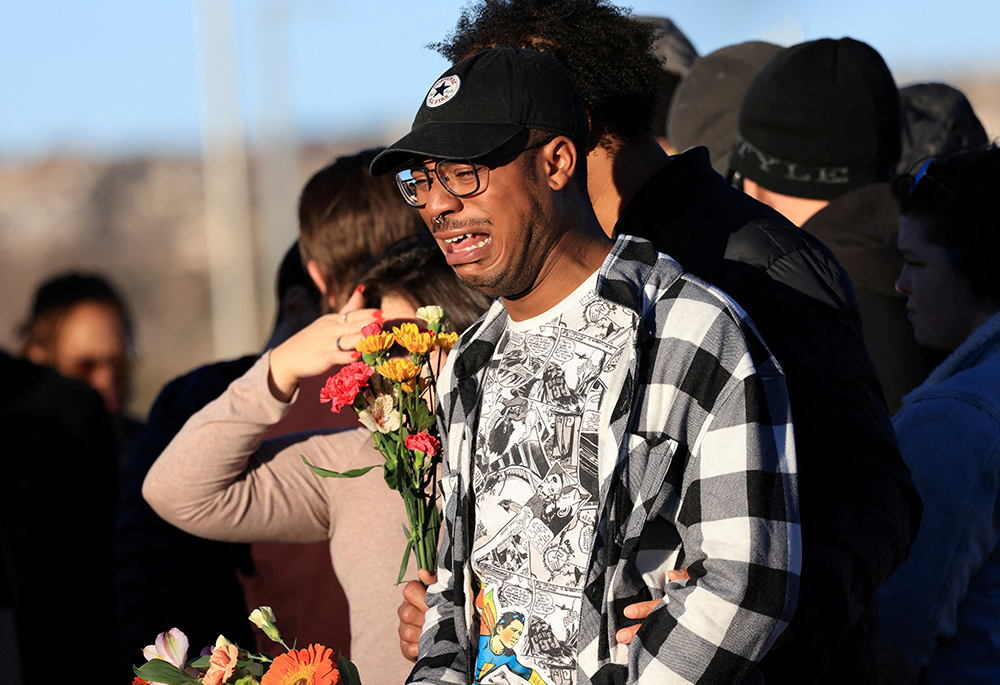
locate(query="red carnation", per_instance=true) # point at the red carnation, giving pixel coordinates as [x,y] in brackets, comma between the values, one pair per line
[374,328]
[424,442]
[341,389]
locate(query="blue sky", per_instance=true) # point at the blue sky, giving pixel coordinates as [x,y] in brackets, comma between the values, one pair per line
[118,77]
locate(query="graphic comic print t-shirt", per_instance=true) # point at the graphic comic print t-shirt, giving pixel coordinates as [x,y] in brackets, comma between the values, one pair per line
[536,484]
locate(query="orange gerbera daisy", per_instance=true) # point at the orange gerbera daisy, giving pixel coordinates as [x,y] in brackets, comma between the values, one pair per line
[310,666]
[415,339]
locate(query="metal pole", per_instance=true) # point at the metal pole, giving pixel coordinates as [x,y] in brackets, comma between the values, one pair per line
[226,180]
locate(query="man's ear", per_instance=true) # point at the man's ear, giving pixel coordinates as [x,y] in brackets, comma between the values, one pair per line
[560,161]
[316,274]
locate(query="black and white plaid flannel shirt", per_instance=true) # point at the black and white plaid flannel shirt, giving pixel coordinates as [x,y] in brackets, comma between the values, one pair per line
[697,471]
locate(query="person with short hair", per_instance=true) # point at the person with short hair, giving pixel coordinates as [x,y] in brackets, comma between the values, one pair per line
[861,510]
[647,391]
[80,326]
[939,610]
[346,217]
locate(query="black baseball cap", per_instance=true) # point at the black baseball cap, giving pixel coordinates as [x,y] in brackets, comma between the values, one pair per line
[483,102]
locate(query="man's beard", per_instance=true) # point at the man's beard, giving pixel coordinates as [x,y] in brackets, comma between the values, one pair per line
[513,283]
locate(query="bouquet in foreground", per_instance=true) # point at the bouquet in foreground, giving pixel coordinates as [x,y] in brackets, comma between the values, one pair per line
[167,662]
[394,398]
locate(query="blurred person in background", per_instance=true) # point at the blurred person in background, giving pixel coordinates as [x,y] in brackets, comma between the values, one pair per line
[57,505]
[860,510]
[940,612]
[938,120]
[707,103]
[219,480]
[819,140]
[80,325]
[157,585]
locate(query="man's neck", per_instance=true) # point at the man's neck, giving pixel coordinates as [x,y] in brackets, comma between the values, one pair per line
[579,252]
[616,172]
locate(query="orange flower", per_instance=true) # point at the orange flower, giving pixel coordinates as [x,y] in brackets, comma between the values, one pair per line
[221,665]
[399,370]
[415,339]
[139,681]
[446,341]
[310,666]
[378,342]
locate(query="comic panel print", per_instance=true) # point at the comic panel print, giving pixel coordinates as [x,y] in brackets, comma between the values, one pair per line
[528,631]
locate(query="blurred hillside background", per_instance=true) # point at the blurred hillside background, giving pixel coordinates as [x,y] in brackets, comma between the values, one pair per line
[137,137]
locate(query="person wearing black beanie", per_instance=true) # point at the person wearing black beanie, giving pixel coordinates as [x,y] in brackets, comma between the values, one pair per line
[820,135]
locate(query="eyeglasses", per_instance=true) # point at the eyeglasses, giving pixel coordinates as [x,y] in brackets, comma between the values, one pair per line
[461,178]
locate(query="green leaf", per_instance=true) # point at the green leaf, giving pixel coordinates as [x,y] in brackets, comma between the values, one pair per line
[348,671]
[246,680]
[406,561]
[160,671]
[353,473]
[200,662]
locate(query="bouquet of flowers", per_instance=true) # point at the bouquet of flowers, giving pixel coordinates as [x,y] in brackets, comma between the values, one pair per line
[167,662]
[394,398]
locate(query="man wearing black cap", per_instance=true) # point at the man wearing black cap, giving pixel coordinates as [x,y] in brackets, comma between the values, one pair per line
[652,424]
[860,507]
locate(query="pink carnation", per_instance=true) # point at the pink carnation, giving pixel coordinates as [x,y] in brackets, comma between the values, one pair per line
[374,328]
[424,442]
[341,389]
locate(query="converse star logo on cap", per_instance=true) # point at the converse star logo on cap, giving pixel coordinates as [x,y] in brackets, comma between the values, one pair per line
[443,90]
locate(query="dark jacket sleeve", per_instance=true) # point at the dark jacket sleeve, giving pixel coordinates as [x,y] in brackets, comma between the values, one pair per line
[164,576]
[860,508]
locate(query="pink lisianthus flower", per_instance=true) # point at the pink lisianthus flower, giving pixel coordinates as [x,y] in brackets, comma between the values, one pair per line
[341,389]
[424,442]
[382,415]
[374,328]
[221,665]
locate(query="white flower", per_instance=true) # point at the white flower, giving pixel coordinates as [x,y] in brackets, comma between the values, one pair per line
[383,416]
[433,315]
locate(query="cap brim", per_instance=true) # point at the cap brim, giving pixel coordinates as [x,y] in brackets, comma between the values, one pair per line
[442,140]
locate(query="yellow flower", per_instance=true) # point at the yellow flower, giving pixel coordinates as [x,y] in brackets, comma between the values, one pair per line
[446,341]
[399,370]
[379,342]
[415,339]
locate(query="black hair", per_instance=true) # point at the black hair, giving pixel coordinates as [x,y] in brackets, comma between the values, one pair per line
[415,268]
[959,198]
[607,53]
[57,296]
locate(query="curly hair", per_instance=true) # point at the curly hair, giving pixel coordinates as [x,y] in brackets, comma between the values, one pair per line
[607,53]
[959,198]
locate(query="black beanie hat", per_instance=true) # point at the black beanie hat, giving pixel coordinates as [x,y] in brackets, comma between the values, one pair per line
[707,103]
[820,120]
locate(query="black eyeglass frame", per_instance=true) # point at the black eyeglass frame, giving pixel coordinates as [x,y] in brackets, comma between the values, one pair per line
[481,182]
